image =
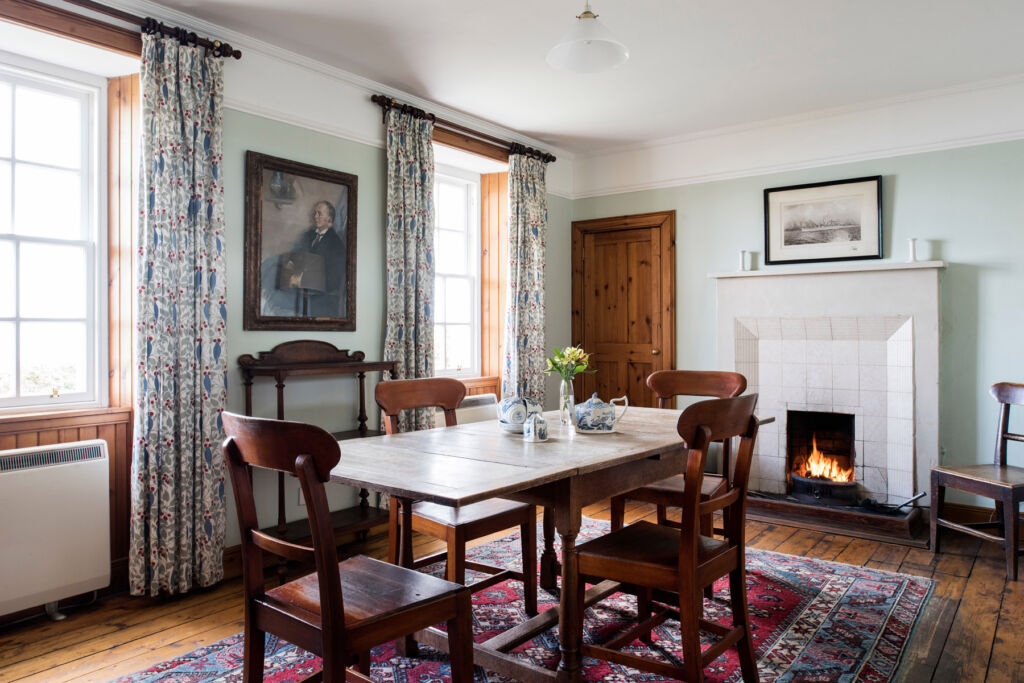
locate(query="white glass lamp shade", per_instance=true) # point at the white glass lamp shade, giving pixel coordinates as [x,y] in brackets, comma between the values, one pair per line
[587,47]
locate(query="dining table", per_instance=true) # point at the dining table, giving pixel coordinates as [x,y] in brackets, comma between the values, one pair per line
[473,462]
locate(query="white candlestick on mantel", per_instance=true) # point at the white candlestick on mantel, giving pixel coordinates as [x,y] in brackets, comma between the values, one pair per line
[911,250]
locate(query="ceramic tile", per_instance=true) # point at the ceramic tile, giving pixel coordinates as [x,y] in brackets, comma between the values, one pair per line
[819,376]
[873,402]
[794,396]
[846,398]
[873,377]
[845,377]
[845,352]
[793,328]
[769,350]
[769,328]
[794,375]
[875,454]
[820,397]
[875,480]
[899,457]
[875,429]
[818,328]
[844,329]
[770,374]
[794,351]
[871,352]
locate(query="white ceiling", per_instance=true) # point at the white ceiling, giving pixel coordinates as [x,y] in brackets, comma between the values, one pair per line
[695,65]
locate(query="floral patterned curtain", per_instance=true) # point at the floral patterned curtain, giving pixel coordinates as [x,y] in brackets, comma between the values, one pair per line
[409,330]
[523,371]
[177,523]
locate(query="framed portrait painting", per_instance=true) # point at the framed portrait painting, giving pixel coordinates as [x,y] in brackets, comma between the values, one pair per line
[839,220]
[300,246]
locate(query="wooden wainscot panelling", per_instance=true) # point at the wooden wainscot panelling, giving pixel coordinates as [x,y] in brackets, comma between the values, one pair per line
[113,425]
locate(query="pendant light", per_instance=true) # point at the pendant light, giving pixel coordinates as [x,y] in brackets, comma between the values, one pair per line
[587,47]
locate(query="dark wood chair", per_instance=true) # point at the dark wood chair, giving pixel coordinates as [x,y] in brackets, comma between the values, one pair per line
[999,481]
[679,563]
[457,526]
[343,609]
[666,385]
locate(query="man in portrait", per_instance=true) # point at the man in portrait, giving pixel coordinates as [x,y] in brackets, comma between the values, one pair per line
[322,240]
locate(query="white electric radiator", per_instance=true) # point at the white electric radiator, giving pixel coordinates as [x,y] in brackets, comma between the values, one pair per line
[54,523]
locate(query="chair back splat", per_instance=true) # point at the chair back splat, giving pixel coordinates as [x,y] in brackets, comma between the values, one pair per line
[1008,394]
[405,394]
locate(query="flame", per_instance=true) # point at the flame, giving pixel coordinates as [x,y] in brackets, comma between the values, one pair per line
[820,466]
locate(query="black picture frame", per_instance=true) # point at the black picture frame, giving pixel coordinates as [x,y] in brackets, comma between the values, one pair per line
[836,220]
[300,246]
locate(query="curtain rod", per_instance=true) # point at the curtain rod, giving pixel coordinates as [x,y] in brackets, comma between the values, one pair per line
[386,103]
[148,25]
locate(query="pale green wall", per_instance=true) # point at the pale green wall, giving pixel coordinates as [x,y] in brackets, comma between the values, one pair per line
[968,203]
[332,402]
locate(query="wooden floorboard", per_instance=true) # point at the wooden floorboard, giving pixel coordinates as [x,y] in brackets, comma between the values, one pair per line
[972,628]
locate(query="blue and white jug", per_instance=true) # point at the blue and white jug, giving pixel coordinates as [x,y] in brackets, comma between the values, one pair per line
[535,428]
[594,416]
[514,410]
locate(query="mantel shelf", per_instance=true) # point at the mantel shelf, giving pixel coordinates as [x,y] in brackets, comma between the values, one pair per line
[829,268]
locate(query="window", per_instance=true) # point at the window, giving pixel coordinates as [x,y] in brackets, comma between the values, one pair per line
[51,312]
[456,272]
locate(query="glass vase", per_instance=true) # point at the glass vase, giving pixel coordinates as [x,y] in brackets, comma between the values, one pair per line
[566,403]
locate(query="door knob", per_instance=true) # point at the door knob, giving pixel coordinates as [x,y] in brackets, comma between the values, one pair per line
[655,352]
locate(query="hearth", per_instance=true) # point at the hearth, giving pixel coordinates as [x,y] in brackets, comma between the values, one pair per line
[820,457]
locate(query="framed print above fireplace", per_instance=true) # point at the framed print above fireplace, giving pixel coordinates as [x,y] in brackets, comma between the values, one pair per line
[300,246]
[838,220]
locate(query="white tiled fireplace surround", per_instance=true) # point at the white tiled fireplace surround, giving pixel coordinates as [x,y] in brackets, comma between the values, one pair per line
[861,341]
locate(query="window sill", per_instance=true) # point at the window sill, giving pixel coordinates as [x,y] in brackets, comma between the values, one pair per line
[17,421]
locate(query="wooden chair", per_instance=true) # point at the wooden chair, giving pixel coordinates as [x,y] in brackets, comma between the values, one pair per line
[999,481]
[666,385]
[457,526]
[343,609]
[682,561]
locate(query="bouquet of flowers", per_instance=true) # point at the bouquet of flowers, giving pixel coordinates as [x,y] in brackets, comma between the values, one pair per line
[568,363]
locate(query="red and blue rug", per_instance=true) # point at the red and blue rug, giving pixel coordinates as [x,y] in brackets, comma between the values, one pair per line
[812,620]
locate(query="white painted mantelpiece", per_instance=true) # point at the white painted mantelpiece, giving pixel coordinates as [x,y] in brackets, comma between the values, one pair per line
[858,338]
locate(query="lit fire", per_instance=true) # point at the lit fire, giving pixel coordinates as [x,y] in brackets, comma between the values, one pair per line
[820,466]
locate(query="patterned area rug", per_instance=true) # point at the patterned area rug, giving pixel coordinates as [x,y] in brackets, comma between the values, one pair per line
[812,620]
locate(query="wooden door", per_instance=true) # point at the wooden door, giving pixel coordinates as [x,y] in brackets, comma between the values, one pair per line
[623,302]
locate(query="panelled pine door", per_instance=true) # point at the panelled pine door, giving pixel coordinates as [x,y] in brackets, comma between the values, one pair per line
[623,302]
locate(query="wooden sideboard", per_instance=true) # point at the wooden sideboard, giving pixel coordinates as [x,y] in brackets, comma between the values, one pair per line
[309,357]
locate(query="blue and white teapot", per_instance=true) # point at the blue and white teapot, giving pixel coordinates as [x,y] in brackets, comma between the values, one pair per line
[594,416]
[513,411]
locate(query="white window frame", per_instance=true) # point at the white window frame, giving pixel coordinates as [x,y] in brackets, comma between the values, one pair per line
[92,91]
[471,181]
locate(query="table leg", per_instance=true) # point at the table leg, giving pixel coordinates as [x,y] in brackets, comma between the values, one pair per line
[407,646]
[548,559]
[570,613]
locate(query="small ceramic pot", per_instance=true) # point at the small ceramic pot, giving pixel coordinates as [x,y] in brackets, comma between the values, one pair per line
[515,410]
[535,428]
[597,417]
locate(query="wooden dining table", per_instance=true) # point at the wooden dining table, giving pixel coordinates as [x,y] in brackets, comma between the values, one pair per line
[473,462]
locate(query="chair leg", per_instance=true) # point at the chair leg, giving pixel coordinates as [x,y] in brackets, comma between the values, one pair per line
[740,616]
[255,643]
[547,557]
[662,515]
[643,610]
[455,569]
[393,531]
[691,608]
[528,535]
[363,665]
[1011,534]
[618,512]
[460,640]
[335,664]
[938,502]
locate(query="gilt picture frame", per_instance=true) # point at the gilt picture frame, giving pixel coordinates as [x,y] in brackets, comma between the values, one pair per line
[838,220]
[300,246]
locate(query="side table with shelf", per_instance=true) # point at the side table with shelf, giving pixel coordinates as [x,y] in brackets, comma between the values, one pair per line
[310,357]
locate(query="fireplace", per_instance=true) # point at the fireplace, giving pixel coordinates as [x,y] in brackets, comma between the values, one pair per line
[820,457]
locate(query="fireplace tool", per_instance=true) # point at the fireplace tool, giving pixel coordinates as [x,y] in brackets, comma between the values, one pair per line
[873,505]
